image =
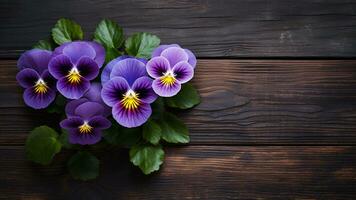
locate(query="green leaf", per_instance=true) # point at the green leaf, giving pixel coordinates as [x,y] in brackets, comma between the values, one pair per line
[173,129]
[141,45]
[151,132]
[63,138]
[60,100]
[111,54]
[66,30]
[44,44]
[109,34]
[122,136]
[42,144]
[83,166]
[58,105]
[186,98]
[53,108]
[147,157]
[157,108]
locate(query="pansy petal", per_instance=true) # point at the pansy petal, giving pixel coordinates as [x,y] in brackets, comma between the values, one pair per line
[87,68]
[175,55]
[70,90]
[105,75]
[76,137]
[114,90]
[143,87]
[36,59]
[159,49]
[143,60]
[89,109]
[72,105]
[157,66]
[59,50]
[100,53]
[72,122]
[99,122]
[60,66]
[192,60]
[130,69]
[131,118]
[27,77]
[183,72]
[94,92]
[38,100]
[165,90]
[107,111]
[76,50]
[48,79]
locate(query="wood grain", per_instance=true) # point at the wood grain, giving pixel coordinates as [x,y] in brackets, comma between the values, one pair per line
[192,172]
[228,28]
[243,102]
[267,128]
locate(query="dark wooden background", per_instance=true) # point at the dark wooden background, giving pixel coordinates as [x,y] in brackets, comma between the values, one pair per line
[278,112]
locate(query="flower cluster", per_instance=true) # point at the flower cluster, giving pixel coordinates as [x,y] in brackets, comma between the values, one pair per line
[104,89]
[127,84]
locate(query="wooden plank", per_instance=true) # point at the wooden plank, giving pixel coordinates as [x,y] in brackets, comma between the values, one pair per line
[229,28]
[243,102]
[192,172]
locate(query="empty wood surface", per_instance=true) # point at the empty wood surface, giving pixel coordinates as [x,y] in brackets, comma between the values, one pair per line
[192,172]
[243,102]
[211,28]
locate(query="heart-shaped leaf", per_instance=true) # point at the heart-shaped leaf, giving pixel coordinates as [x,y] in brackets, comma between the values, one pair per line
[157,108]
[109,34]
[141,45]
[122,136]
[66,30]
[173,129]
[83,166]
[187,97]
[147,157]
[111,54]
[151,132]
[42,144]
[44,44]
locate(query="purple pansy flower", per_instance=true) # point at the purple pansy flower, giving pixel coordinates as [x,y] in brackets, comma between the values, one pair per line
[85,121]
[74,64]
[129,92]
[170,66]
[105,75]
[94,94]
[39,85]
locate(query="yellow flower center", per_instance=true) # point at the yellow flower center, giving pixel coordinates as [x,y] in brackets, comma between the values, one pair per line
[130,100]
[168,79]
[74,76]
[40,87]
[85,128]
